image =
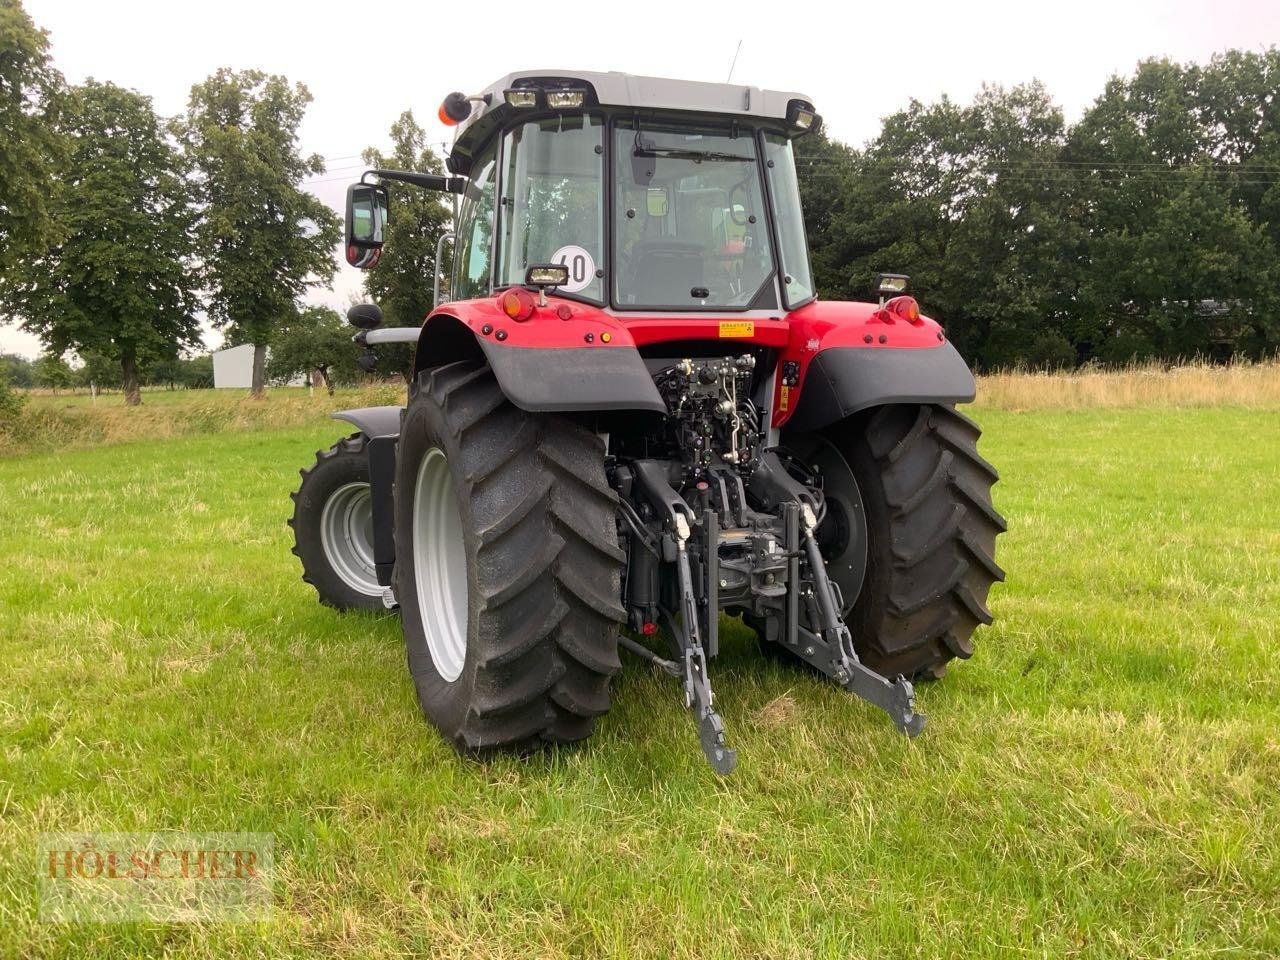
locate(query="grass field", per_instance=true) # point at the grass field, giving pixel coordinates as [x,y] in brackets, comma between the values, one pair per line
[1100,780]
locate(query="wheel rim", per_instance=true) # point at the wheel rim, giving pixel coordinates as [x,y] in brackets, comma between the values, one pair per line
[842,535]
[440,565]
[346,533]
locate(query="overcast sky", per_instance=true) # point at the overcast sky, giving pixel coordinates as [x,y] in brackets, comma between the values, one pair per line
[364,63]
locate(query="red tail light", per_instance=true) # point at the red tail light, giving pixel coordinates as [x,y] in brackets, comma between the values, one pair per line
[904,308]
[516,303]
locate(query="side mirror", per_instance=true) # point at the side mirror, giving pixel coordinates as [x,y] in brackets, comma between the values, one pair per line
[366,223]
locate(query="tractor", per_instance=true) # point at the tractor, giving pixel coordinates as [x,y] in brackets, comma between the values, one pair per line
[631,416]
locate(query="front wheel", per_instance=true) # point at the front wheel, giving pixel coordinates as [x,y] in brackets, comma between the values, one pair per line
[333,527]
[508,566]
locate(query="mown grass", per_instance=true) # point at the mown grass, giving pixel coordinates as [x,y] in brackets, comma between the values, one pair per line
[1100,780]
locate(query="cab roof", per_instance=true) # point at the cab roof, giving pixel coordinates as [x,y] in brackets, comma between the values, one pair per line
[614,89]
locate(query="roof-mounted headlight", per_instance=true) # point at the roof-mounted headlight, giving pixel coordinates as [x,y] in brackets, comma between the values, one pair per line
[566,99]
[522,98]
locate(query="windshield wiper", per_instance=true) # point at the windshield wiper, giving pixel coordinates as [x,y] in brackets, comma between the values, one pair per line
[678,153]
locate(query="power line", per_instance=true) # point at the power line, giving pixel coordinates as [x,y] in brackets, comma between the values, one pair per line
[1081,165]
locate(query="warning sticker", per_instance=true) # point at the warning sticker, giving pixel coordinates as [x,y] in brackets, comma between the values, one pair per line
[784,398]
[737,328]
[582,266]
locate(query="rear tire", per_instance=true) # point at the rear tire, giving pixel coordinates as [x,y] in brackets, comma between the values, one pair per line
[931,535]
[333,527]
[532,517]
[929,529]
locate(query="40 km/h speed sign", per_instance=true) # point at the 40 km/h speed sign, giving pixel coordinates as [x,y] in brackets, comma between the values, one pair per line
[582,266]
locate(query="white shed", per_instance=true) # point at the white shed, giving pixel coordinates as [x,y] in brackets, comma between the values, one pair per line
[233,367]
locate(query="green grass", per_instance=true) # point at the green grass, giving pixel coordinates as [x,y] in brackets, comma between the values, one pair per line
[1100,780]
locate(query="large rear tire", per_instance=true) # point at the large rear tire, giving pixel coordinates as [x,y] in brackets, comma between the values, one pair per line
[332,526]
[508,568]
[909,534]
[931,535]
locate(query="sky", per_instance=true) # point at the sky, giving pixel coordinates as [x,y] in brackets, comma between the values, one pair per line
[365,64]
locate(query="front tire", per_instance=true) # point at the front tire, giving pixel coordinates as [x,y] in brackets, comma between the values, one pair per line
[332,526]
[508,568]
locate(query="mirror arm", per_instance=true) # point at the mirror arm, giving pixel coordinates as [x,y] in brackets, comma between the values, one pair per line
[428,181]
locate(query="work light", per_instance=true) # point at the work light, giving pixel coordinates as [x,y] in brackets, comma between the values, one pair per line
[547,275]
[543,275]
[889,284]
[802,117]
[565,99]
[521,98]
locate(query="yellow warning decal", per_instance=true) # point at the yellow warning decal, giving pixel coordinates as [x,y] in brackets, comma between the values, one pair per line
[784,399]
[737,328]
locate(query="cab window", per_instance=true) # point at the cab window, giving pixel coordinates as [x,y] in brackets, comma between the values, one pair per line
[475,230]
[552,211]
[690,225]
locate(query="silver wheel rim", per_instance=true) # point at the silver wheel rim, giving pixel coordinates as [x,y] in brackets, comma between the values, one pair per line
[346,533]
[440,565]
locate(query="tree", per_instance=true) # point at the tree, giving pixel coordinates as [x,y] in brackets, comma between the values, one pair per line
[966,200]
[403,284]
[31,152]
[318,340]
[197,372]
[98,372]
[1177,261]
[115,281]
[164,373]
[263,240]
[52,372]
[16,371]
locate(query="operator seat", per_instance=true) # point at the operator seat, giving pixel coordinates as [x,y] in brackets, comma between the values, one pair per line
[665,271]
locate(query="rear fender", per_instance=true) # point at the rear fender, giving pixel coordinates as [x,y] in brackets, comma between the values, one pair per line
[546,364]
[846,357]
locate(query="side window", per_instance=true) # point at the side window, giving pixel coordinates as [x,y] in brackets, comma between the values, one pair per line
[552,209]
[475,230]
[797,280]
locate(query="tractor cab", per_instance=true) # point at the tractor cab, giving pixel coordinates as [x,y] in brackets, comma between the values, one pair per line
[655,195]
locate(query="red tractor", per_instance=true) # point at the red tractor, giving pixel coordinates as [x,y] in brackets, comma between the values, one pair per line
[633,415]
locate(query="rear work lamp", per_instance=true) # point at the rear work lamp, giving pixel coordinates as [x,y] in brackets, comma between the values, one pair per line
[566,99]
[891,284]
[545,275]
[521,98]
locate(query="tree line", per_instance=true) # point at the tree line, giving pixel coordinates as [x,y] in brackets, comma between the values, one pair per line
[119,228]
[1148,229]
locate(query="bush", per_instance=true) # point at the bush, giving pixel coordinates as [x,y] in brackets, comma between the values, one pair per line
[10,403]
[1050,350]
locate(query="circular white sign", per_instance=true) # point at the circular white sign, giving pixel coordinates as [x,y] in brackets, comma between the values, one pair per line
[582,268]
